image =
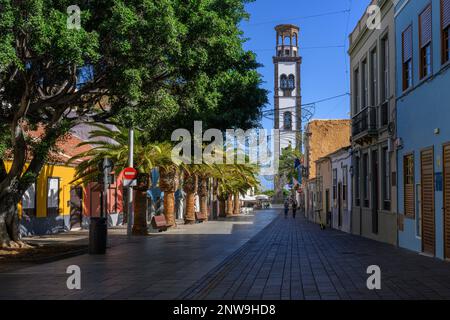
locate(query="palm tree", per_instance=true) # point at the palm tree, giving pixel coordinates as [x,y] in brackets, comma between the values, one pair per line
[203,194]
[113,144]
[234,179]
[190,182]
[168,180]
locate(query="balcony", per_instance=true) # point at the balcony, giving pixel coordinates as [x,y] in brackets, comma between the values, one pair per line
[364,125]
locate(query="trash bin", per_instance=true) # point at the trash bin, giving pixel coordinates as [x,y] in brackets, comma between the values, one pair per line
[97,235]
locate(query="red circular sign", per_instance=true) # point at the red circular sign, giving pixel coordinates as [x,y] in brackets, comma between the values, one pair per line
[130,173]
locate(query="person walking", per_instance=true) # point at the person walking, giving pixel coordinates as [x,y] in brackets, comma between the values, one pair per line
[294,207]
[286,208]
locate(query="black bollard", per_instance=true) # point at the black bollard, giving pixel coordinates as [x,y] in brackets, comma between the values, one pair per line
[97,235]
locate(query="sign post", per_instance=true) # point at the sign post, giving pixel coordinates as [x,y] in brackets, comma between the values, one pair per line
[98,227]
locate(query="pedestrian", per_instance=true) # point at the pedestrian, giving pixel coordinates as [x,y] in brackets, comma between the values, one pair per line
[286,207]
[294,207]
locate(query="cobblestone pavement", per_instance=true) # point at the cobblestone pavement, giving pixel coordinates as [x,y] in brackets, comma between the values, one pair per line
[160,266]
[250,257]
[294,259]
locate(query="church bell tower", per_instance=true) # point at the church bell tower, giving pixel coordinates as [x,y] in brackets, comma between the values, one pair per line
[287,86]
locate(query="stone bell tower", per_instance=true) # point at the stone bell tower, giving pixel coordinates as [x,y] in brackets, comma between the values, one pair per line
[287,87]
[287,104]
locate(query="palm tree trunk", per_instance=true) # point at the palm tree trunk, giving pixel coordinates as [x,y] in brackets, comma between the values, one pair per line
[190,187]
[204,207]
[230,205]
[169,208]
[203,194]
[237,204]
[140,213]
[222,207]
[168,183]
[189,218]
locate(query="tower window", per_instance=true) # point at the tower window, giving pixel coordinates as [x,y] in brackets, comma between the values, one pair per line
[287,120]
[291,82]
[283,82]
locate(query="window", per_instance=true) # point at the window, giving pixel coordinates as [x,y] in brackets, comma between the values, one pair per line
[385,68]
[357,181]
[334,184]
[425,42]
[366,180]
[29,200]
[365,86]
[408,182]
[356,91]
[283,82]
[287,120]
[344,185]
[291,82]
[446,45]
[445,14]
[374,77]
[386,179]
[407,57]
[52,196]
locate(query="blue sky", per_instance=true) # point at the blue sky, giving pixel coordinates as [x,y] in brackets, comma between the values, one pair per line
[323,71]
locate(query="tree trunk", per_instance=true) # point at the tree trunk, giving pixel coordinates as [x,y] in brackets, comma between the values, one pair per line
[169,208]
[237,204]
[230,205]
[190,187]
[222,206]
[203,194]
[140,214]
[9,223]
[168,184]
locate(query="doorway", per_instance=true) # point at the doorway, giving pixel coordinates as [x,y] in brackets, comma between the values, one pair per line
[428,219]
[446,212]
[375,191]
[76,197]
[339,203]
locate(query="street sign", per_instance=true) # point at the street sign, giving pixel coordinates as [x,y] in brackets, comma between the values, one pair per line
[106,165]
[130,177]
[130,173]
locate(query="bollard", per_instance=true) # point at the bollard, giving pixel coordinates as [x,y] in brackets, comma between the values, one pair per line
[97,235]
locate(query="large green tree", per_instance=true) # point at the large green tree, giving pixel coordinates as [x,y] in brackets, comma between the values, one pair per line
[169,57]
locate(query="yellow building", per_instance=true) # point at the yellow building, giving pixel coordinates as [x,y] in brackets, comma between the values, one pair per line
[52,203]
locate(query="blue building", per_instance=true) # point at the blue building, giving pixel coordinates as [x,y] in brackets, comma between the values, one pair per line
[423,125]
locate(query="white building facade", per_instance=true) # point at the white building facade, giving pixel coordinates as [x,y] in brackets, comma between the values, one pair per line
[341,193]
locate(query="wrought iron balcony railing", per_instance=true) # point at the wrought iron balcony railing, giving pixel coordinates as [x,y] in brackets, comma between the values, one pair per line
[365,121]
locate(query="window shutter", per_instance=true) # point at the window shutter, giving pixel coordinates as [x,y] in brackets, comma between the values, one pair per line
[445,13]
[407,44]
[425,27]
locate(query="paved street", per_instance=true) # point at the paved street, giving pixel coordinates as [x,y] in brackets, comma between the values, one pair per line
[256,257]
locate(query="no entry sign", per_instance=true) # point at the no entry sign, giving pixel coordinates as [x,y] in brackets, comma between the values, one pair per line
[130,173]
[130,176]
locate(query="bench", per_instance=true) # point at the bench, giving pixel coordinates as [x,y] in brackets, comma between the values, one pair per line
[159,222]
[200,216]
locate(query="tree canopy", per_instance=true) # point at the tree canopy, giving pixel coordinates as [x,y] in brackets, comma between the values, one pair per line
[152,63]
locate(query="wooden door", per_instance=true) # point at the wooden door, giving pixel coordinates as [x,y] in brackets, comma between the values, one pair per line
[446,182]
[76,194]
[428,219]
